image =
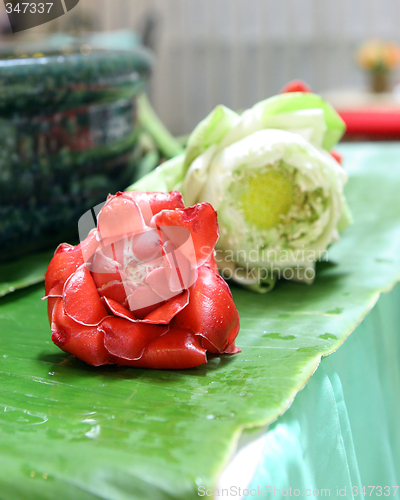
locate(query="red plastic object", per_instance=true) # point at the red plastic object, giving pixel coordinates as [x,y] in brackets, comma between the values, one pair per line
[373,123]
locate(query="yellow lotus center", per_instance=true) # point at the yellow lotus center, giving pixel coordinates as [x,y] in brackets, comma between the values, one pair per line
[267,196]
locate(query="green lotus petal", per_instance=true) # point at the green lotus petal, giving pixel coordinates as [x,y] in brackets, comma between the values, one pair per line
[71,431]
[307,114]
[197,176]
[209,131]
[297,101]
[167,177]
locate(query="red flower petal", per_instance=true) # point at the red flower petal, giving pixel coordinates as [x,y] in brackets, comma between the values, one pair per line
[295,86]
[201,221]
[143,301]
[177,349]
[66,261]
[116,291]
[211,263]
[211,312]
[119,310]
[81,299]
[179,271]
[165,313]
[128,340]
[84,342]
[157,279]
[104,270]
[119,217]
[232,349]
[152,203]
[51,302]
[64,248]
[232,337]
[146,246]
[338,157]
[161,316]
[89,246]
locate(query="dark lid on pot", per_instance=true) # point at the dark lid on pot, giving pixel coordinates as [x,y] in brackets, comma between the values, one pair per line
[68,65]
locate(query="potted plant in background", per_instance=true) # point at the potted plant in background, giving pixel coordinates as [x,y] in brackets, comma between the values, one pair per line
[378,58]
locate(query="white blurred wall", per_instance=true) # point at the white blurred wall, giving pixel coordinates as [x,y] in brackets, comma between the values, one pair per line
[237,52]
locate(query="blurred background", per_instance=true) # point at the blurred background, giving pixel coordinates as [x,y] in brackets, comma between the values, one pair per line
[76,126]
[238,52]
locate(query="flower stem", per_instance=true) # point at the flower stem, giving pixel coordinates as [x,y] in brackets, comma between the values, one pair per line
[151,123]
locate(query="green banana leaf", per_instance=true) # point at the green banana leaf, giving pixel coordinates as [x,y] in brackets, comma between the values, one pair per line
[71,431]
[23,272]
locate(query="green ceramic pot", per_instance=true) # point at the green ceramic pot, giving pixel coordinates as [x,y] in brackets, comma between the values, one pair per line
[67,138]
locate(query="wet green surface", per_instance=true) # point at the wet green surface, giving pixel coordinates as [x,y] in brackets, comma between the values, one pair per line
[71,431]
[23,272]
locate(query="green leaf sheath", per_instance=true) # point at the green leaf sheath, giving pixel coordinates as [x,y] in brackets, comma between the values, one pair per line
[23,272]
[71,431]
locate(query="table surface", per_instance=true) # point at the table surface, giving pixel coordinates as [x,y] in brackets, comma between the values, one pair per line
[359,99]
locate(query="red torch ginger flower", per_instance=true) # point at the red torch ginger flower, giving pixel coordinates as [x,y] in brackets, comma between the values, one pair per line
[143,288]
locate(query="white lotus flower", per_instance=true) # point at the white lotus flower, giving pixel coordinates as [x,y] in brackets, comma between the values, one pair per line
[277,190]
